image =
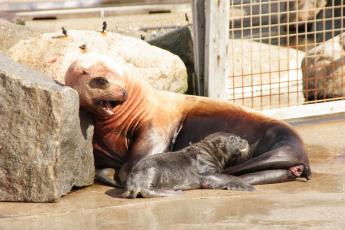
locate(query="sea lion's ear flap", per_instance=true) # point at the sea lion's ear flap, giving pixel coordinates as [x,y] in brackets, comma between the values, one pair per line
[73,74]
[84,71]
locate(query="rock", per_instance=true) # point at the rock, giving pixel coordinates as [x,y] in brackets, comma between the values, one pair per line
[45,149]
[179,42]
[52,53]
[12,33]
[323,70]
[264,76]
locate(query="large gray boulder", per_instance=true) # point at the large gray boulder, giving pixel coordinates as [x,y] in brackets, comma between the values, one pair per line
[45,148]
[323,70]
[52,54]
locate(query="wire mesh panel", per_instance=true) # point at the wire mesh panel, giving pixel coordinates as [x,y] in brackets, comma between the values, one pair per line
[286,53]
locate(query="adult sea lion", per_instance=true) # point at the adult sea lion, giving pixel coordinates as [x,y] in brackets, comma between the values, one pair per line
[196,166]
[133,120]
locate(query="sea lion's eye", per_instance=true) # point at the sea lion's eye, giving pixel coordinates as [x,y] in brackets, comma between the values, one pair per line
[101,80]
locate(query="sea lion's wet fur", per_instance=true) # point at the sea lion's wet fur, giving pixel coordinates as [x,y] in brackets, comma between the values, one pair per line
[197,166]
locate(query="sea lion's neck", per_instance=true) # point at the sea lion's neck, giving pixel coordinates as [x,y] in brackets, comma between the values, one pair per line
[133,112]
[210,155]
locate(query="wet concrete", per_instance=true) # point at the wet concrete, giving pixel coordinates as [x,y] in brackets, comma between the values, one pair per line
[316,204]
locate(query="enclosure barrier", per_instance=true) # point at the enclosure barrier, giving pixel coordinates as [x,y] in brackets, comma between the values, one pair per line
[281,55]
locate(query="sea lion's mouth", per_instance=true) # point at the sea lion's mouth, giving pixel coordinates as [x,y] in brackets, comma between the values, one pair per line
[107,106]
[244,149]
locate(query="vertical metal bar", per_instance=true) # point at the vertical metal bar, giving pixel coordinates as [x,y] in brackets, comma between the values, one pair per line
[308,79]
[260,53]
[251,57]
[232,79]
[334,80]
[281,35]
[341,29]
[243,99]
[269,51]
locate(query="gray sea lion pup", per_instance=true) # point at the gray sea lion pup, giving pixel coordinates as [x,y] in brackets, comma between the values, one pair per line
[197,166]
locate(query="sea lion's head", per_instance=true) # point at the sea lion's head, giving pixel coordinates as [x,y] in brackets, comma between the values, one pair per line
[99,81]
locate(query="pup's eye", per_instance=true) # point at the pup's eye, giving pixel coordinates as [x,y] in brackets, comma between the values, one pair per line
[101,80]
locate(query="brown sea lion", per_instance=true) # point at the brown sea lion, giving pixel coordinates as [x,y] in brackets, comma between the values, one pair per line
[133,120]
[197,166]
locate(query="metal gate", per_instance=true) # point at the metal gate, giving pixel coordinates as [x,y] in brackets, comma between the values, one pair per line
[286,53]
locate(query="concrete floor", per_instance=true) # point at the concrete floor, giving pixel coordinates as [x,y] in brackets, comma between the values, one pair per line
[316,204]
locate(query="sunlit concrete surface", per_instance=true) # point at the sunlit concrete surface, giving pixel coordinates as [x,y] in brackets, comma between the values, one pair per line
[316,204]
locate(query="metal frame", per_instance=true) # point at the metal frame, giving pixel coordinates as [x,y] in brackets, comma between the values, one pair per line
[204,13]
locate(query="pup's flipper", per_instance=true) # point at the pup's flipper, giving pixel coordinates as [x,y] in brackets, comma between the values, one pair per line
[148,193]
[224,181]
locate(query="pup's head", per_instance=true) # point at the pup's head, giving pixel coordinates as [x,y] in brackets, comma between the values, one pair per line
[236,144]
[229,145]
[99,81]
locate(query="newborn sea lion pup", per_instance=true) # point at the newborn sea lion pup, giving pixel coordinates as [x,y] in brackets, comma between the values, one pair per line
[197,166]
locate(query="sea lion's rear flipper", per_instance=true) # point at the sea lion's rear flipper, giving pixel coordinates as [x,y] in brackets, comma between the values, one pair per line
[273,176]
[104,176]
[224,181]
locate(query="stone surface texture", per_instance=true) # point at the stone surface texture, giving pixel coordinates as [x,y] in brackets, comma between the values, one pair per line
[323,70]
[179,42]
[11,33]
[264,76]
[52,53]
[45,148]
